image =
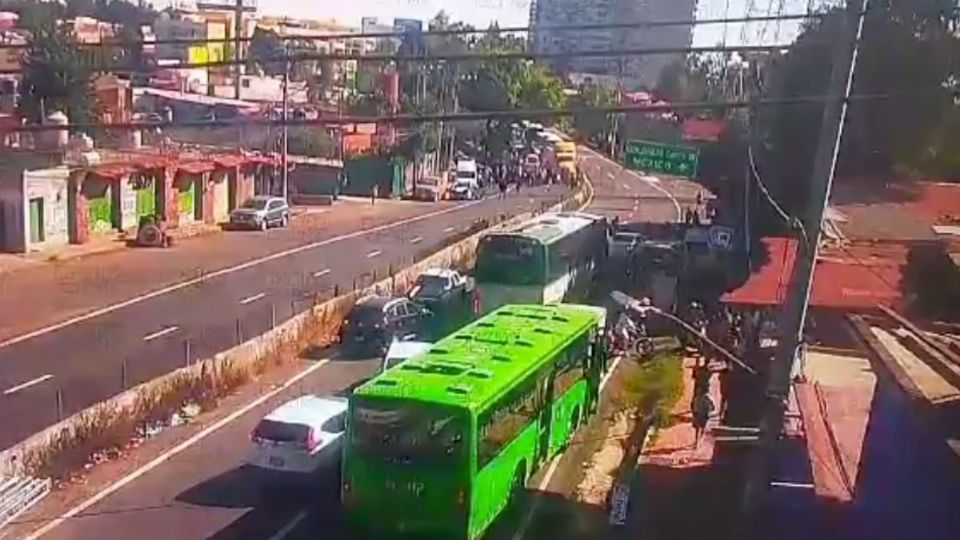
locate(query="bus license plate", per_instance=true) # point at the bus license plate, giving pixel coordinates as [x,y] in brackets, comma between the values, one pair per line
[275,461]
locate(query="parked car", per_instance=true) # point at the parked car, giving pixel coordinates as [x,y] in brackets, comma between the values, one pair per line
[622,243]
[301,436]
[375,322]
[431,188]
[401,351]
[261,212]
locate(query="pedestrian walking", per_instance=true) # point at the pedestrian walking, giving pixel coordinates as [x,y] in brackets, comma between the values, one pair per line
[701,379]
[702,409]
[374,193]
[503,188]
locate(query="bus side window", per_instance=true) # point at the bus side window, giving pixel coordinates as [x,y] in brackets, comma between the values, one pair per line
[500,425]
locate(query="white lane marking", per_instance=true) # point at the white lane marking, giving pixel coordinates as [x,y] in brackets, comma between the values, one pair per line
[416,240]
[450,229]
[625,185]
[321,273]
[290,526]
[161,333]
[164,457]
[610,175]
[28,384]
[252,299]
[225,271]
[373,254]
[552,469]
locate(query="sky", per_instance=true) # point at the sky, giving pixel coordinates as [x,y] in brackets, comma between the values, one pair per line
[515,13]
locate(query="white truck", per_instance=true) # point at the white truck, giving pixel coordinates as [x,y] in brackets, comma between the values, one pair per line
[466,183]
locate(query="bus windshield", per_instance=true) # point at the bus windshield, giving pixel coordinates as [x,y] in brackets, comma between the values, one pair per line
[510,260]
[408,434]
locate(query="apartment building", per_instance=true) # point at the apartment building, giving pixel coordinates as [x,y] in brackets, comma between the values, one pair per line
[635,71]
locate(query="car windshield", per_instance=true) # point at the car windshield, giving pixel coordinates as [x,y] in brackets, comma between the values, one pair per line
[466,174]
[281,432]
[624,237]
[255,204]
[429,286]
[407,434]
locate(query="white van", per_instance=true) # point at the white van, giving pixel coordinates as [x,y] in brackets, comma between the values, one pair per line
[401,351]
[467,172]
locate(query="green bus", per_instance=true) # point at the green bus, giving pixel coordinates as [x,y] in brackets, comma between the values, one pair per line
[439,446]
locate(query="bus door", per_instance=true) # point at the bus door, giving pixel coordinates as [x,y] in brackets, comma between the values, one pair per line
[545,398]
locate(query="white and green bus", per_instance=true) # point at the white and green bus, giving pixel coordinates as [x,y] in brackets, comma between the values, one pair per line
[550,259]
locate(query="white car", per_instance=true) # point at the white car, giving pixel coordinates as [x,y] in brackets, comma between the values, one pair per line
[401,351]
[300,436]
[623,242]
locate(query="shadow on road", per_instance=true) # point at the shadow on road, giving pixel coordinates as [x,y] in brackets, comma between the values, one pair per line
[273,500]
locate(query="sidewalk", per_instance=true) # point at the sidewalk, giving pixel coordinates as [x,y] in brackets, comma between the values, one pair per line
[679,491]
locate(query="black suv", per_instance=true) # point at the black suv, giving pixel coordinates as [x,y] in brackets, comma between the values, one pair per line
[375,322]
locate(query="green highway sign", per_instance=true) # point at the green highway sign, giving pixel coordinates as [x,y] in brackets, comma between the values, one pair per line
[662,158]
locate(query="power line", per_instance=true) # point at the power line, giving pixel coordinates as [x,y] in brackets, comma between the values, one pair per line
[454,32]
[454,57]
[508,114]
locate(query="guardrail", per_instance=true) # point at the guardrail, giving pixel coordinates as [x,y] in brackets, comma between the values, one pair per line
[18,494]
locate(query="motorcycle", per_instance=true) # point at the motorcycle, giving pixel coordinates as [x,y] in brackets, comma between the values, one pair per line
[631,340]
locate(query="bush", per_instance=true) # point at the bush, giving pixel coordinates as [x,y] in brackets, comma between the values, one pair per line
[933,281]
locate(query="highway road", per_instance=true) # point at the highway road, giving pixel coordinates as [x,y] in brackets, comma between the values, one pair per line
[87,342]
[202,491]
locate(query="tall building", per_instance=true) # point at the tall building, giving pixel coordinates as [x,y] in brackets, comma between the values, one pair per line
[635,71]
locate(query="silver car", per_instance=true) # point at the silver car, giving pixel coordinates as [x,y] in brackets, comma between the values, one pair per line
[261,212]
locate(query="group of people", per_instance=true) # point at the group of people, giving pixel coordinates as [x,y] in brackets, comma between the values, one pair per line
[720,328]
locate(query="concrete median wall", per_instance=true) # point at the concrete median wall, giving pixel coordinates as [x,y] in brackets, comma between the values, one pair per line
[118,419]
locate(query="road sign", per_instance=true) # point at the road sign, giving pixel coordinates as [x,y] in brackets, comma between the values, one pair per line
[721,238]
[619,504]
[662,158]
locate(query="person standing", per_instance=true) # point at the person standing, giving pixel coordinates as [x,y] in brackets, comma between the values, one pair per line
[374,193]
[701,410]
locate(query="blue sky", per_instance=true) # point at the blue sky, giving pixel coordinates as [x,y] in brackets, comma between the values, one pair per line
[515,12]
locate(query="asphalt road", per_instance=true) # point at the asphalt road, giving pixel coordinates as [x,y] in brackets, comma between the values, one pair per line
[69,363]
[206,492]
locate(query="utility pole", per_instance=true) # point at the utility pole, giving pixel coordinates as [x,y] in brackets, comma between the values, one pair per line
[284,137]
[237,56]
[794,314]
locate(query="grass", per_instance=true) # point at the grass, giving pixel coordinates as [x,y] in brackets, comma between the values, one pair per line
[653,388]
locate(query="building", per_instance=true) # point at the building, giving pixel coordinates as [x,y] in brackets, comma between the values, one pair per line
[635,71]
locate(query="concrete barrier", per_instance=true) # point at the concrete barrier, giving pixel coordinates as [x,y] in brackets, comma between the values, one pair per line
[152,401]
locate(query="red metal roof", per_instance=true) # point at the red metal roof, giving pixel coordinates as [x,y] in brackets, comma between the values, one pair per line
[196,167]
[768,285]
[852,278]
[113,171]
[695,129]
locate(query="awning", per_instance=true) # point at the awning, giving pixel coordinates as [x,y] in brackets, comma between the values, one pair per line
[112,171]
[230,161]
[768,285]
[196,167]
[850,278]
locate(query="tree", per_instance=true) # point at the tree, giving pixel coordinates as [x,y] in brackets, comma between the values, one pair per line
[56,76]
[595,126]
[266,53]
[908,47]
